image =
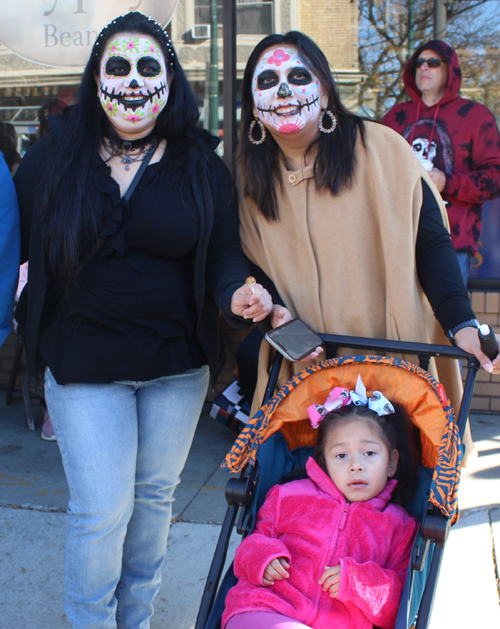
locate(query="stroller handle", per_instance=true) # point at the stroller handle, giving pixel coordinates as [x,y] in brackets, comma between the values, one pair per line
[400,347]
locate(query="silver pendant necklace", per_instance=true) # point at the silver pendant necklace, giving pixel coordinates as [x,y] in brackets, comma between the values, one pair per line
[127,159]
[124,152]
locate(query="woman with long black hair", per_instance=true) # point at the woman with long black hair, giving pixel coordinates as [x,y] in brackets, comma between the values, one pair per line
[339,214]
[132,232]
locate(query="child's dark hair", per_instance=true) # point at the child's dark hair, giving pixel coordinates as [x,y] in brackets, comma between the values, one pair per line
[395,429]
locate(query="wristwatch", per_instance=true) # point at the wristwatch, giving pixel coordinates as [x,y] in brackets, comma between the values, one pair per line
[471,323]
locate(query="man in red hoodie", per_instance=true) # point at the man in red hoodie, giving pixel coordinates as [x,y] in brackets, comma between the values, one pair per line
[457,141]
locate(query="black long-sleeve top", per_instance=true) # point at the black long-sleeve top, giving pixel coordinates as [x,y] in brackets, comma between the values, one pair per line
[131,313]
[437,266]
[147,304]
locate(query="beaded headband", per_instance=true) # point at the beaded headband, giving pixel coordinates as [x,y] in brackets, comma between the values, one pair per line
[160,35]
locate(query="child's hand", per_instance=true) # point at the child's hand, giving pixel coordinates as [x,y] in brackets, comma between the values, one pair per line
[330,580]
[276,570]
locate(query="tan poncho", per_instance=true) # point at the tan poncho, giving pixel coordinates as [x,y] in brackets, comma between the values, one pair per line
[346,264]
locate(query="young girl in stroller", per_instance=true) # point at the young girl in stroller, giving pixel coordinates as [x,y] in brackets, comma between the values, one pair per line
[332,550]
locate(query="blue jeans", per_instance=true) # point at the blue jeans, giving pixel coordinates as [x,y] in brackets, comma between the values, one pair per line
[464,261]
[123,448]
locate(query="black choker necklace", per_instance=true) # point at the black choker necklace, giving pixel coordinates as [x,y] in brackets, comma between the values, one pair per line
[147,145]
[133,145]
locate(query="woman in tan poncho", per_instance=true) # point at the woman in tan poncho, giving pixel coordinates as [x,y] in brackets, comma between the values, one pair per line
[341,217]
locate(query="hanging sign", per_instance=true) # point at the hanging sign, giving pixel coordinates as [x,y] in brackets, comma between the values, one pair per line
[61,33]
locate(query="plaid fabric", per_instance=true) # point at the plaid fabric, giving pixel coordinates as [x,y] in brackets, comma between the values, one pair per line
[231,408]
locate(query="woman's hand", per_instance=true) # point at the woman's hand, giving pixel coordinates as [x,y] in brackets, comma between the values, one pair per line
[276,570]
[330,580]
[254,305]
[280,316]
[312,356]
[468,340]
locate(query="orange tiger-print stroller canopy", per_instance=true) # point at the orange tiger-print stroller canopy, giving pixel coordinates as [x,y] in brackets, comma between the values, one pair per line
[423,398]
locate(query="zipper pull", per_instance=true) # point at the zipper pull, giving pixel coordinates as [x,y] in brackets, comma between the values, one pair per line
[344,517]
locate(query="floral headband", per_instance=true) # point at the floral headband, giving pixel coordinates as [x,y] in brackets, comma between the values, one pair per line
[343,397]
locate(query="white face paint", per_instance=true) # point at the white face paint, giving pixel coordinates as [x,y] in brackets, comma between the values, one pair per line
[423,150]
[132,83]
[286,94]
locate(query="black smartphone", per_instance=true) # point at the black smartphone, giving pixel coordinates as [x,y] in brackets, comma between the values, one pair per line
[294,339]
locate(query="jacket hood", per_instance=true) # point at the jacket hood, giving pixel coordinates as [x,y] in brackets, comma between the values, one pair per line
[454,72]
[326,484]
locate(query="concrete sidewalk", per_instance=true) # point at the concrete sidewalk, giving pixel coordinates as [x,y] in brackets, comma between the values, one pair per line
[33,499]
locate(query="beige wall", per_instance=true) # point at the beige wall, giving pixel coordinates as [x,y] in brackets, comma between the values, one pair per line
[333,24]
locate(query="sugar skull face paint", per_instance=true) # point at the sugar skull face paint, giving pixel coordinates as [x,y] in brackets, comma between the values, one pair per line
[132,83]
[286,94]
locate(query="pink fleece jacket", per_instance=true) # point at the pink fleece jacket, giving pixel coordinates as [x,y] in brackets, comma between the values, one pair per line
[310,523]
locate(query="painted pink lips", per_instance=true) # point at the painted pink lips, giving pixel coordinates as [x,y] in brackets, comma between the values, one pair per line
[289,127]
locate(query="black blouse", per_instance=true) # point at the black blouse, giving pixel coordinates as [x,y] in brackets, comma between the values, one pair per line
[130,315]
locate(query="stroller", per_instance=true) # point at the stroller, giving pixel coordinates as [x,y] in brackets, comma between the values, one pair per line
[279,439]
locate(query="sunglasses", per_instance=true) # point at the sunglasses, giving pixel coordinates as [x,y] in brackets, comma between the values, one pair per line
[432,62]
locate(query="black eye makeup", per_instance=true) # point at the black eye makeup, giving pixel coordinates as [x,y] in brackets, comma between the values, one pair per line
[148,67]
[267,80]
[296,76]
[117,66]
[299,76]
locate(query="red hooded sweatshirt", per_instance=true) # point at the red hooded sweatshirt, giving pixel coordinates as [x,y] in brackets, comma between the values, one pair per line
[461,138]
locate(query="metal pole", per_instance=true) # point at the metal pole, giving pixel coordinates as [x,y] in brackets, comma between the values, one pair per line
[411,27]
[440,16]
[213,83]
[229,85]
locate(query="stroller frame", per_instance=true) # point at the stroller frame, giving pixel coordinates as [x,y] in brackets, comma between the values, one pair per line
[434,528]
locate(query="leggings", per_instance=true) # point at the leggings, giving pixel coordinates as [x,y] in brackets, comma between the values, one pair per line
[263,620]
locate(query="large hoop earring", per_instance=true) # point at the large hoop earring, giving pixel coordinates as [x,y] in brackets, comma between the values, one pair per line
[331,124]
[262,132]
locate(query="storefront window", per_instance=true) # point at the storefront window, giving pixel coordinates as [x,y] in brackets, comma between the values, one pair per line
[252,18]
[23,116]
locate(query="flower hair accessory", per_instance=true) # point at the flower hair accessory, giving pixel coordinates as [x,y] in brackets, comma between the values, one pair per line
[340,396]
